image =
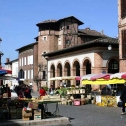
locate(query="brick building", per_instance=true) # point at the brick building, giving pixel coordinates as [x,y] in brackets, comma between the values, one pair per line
[28,63]
[62,49]
[122,34]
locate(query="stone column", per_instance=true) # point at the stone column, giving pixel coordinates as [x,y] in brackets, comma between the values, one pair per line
[56,83]
[73,73]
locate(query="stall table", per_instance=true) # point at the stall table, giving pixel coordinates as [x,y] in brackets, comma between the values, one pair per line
[44,108]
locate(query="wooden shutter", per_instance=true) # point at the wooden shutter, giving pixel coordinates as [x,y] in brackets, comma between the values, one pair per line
[123,43]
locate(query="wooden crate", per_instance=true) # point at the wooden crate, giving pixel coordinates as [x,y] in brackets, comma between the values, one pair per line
[25,118]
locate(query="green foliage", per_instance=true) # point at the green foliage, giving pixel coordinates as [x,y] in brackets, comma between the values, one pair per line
[45,88]
[62,91]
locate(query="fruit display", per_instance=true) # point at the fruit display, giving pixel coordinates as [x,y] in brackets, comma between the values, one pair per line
[109,101]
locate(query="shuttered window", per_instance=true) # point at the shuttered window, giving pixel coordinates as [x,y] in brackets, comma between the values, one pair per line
[123,43]
[123,9]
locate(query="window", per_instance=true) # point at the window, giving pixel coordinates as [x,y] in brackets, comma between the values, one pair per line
[67,27]
[44,38]
[20,62]
[28,74]
[31,74]
[123,8]
[31,59]
[24,60]
[59,41]
[123,33]
[68,42]
[44,74]
[25,74]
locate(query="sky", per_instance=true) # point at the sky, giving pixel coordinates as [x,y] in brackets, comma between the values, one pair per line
[18,19]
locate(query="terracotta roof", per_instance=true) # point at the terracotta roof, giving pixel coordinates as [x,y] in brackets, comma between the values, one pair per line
[79,22]
[56,21]
[88,31]
[101,42]
[48,21]
[31,44]
[107,40]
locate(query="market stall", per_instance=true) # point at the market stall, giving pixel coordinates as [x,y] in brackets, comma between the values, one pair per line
[111,82]
[29,109]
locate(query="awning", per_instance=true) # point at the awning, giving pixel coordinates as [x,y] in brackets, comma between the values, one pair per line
[7,77]
[88,76]
[104,82]
[3,72]
[8,71]
[102,79]
[63,78]
[55,78]
[78,78]
[103,76]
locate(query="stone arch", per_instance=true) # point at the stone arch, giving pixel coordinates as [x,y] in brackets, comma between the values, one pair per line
[113,65]
[76,67]
[21,73]
[86,66]
[52,74]
[67,69]
[52,70]
[67,72]
[59,69]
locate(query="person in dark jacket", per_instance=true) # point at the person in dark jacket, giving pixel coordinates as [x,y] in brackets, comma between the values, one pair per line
[123,99]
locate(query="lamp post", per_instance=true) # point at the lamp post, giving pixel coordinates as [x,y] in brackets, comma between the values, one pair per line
[1,54]
[109,47]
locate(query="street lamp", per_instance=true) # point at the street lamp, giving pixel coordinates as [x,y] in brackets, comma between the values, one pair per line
[109,47]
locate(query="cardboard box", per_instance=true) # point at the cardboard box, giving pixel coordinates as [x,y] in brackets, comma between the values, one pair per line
[25,118]
[26,113]
[37,115]
[33,105]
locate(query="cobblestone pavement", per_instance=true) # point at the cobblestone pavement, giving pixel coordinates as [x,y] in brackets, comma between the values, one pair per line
[88,115]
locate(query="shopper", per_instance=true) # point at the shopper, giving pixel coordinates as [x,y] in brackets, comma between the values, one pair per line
[51,90]
[20,93]
[123,99]
[42,91]
[27,92]
[7,90]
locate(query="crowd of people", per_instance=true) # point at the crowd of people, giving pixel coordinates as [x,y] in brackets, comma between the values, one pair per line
[21,91]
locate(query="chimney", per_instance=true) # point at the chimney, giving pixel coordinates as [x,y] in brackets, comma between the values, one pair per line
[7,60]
[87,28]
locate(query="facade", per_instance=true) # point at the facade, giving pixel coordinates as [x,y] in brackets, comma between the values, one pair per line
[90,58]
[28,64]
[13,66]
[75,52]
[122,34]
[62,49]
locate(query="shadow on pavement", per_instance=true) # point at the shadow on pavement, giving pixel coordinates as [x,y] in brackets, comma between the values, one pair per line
[9,123]
[70,118]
